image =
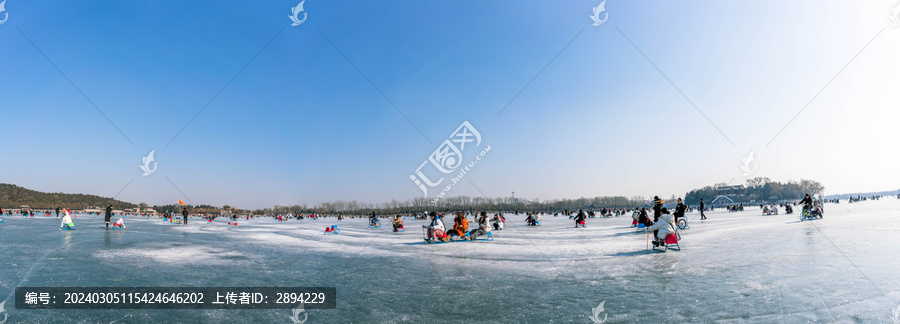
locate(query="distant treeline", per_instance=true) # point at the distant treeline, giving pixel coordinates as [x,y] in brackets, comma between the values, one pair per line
[12,196]
[175,208]
[759,189]
[459,203]
[864,194]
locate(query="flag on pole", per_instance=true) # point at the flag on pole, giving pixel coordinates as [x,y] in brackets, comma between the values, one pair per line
[181,202]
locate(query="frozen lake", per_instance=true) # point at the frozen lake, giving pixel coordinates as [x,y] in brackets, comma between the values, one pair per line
[734,267]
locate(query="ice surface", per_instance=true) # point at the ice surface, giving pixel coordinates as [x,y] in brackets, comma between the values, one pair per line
[734,267]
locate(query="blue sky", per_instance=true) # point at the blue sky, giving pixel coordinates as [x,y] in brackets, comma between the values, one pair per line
[300,124]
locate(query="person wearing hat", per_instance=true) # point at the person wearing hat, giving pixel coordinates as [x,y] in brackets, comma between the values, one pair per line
[663,227]
[657,204]
[67,222]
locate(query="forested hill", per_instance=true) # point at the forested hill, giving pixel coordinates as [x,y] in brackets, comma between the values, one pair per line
[759,189]
[12,196]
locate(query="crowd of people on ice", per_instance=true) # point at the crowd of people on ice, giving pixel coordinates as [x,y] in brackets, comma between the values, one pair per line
[436,230]
[661,223]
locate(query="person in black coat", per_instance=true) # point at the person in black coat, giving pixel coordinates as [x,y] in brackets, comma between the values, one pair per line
[643,218]
[580,217]
[657,205]
[108,215]
[807,202]
[184,212]
[702,207]
[679,210]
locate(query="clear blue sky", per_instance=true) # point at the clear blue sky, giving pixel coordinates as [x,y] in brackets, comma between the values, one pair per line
[302,125]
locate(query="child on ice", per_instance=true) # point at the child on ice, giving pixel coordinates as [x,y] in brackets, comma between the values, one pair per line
[120,223]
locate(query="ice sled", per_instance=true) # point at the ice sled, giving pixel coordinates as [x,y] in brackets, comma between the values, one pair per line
[641,227]
[332,230]
[809,215]
[671,241]
[489,236]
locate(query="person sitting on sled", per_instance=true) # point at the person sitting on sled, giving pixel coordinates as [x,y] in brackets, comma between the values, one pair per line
[397,222]
[460,226]
[680,208]
[663,227]
[120,223]
[436,228]
[817,209]
[579,219]
[644,218]
[483,227]
[373,220]
[67,222]
[807,203]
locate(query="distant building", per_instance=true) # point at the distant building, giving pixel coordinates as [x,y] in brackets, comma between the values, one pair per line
[738,190]
[730,194]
